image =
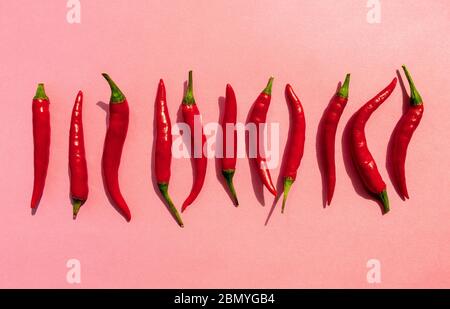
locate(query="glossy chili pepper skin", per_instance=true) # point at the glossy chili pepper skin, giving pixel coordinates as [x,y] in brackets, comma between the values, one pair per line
[229,139]
[77,157]
[296,143]
[362,158]
[41,140]
[114,141]
[191,117]
[258,115]
[405,128]
[163,149]
[331,119]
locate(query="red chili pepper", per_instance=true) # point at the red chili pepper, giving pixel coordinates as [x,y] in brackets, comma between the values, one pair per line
[229,162]
[330,122]
[163,149]
[258,114]
[296,143]
[41,139]
[190,115]
[77,158]
[362,158]
[402,136]
[114,141]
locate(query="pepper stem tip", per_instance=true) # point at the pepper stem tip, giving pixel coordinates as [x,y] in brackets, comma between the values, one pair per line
[189,96]
[164,189]
[343,91]
[288,181]
[416,99]
[40,92]
[116,94]
[228,174]
[385,201]
[268,89]
[76,207]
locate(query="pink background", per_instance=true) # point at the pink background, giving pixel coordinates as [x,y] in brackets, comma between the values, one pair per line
[310,44]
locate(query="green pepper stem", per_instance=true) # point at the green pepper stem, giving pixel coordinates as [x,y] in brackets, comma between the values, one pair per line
[416,99]
[40,93]
[268,89]
[189,96]
[164,188]
[228,174]
[116,94]
[383,197]
[288,181]
[76,207]
[343,91]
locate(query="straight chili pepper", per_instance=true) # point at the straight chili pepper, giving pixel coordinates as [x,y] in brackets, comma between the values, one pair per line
[77,158]
[330,122]
[114,141]
[362,158]
[163,148]
[405,128]
[191,116]
[258,115]
[296,143]
[229,121]
[41,140]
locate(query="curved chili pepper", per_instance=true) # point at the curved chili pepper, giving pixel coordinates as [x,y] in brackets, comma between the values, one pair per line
[163,149]
[114,141]
[405,128]
[190,115]
[41,140]
[229,163]
[362,158]
[296,143]
[258,114]
[77,157]
[330,122]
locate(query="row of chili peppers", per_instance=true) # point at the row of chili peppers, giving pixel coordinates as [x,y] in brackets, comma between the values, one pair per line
[118,126]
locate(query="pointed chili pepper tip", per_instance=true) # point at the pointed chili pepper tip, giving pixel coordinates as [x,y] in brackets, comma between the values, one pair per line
[329,198]
[383,197]
[343,91]
[40,93]
[76,207]
[287,187]
[228,174]
[183,207]
[416,99]
[164,189]
[189,96]
[116,94]
[268,89]
[79,97]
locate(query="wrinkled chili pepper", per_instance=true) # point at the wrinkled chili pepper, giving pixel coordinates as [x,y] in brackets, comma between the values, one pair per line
[77,158]
[258,114]
[191,116]
[114,141]
[41,140]
[362,158]
[163,148]
[229,159]
[405,128]
[296,143]
[330,122]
